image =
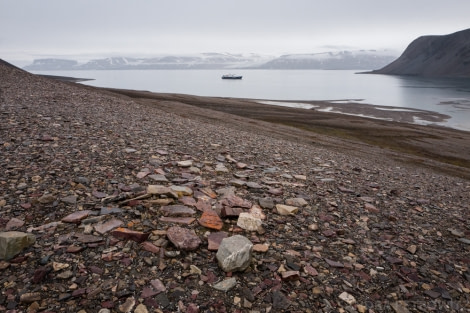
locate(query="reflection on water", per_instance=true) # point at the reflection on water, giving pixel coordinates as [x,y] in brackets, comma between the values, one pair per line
[448,96]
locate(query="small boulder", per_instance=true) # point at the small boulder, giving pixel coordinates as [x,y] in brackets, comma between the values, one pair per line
[12,242]
[234,253]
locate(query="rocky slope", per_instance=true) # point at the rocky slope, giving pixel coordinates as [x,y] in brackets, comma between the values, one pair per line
[447,55]
[128,205]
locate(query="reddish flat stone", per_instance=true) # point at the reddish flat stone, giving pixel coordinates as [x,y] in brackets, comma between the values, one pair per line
[150,247]
[290,275]
[188,201]
[109,225]
[177,210]
[334,263]
[210,219]
[235,201]
[230,212]
[214,240]
[178,220]
[371,208]
[310,270]
[83,238]
[76,217]
[125,233]
[74,249]
[203,205]
[183,238]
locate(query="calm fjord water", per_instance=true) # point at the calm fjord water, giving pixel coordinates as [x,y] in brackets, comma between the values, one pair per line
[443,95]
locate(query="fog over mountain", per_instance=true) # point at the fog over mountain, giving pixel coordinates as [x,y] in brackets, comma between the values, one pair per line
[361,60]
[446,55]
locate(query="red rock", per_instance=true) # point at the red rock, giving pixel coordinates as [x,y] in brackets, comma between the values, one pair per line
[310,270]
[177,210]
[235,201]
[210,219]
[125,233]
[88,238]
[228,212]
[76,217]
[290,275]
[109,225]
[329,233]
[371,208]
[182,238]
[203,205]
[190,201]
[209,192]
[150,247]
[74,249]
[214,240]
[334,263]
[158,285]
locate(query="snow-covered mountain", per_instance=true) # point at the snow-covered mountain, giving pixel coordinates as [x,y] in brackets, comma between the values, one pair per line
[196,61]
[358,60]
[342,60]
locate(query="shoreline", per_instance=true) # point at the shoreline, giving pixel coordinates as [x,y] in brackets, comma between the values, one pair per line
[441,148]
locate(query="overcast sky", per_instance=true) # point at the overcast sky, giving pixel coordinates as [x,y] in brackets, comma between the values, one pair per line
[96,28]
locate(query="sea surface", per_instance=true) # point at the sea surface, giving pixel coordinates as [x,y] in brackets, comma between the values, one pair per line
[449,96]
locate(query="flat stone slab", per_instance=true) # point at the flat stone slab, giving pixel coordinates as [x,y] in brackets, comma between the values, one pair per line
[210,219]
[177,210]
[183,238]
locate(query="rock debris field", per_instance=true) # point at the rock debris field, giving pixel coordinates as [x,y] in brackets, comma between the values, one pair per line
[108,205]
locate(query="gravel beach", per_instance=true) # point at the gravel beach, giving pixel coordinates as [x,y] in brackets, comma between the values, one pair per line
[131,202]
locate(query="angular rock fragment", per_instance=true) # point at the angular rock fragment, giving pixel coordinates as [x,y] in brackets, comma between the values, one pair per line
[297,202]
[249,222]
[103,228]
[76,217]
[226,284]
[211,219]
[229,212]
[177,210]
[183,238]
[13,242]
[234,253]
[286,209]
[127,234]
[348,298]
[181,190]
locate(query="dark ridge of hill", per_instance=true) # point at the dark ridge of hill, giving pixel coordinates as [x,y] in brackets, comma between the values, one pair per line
[433,56]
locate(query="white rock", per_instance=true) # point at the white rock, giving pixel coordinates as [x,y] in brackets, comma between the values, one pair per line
[249,222]
[346,297]
[286,209]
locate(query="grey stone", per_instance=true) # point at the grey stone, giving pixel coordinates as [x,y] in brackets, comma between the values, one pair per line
[226,284]
[12,242]
[234,253]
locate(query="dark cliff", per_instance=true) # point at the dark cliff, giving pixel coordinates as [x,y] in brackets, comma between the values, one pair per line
[445,56]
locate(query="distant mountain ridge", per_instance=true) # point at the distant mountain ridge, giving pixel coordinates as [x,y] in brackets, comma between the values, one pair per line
[360,60]
[340,60]
[434,56]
